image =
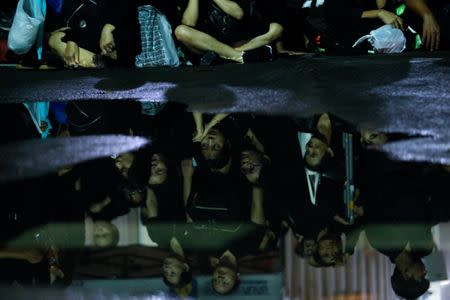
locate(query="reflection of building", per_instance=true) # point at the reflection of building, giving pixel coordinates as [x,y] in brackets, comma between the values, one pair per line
[366,275]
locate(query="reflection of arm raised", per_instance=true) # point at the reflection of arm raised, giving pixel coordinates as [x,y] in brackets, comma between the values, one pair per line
[257,209]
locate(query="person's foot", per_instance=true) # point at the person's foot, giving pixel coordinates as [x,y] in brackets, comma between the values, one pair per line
[264,53]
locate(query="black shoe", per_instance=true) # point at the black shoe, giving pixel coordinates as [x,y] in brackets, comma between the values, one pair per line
[264,53]
[208,59]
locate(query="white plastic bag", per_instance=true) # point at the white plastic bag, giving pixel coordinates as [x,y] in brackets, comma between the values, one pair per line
[385,39]
[27,26]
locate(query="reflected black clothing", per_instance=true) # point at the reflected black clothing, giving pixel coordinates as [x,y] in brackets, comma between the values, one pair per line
[394,196]
[218,197]
[24,273]
[88,118]
[241,238]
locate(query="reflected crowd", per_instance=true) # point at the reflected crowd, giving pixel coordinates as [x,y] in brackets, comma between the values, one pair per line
[213,189]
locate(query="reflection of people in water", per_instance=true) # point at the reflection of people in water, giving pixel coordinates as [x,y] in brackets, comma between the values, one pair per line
[225,276]
[105,234]
[176,270]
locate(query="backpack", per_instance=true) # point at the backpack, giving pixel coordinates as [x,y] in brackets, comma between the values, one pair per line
[158,46]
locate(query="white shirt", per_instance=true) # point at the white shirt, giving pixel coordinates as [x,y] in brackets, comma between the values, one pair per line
[312,186]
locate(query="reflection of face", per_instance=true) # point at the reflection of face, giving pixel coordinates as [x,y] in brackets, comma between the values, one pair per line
[172,270]
[416,271]
[223,279]
[328,251]
[373,138]
[309,247]
[250,165]
[315,151]
[158,173]
[212,144]
[124,162]
[103,233]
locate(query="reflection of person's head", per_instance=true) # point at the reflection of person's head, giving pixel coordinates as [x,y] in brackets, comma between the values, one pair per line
[159,170]
[225,280]
[105,234]
[306,248]
[176,271]
[370,137]
[213,144]
[409,282]
[317,152]
[329,250]
[225,277]
[124,163]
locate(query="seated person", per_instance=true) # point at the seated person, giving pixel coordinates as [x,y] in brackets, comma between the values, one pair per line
[88,32]
[352,19]
[225,28]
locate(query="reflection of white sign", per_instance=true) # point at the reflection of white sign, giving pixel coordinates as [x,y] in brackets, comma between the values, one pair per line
[253,287]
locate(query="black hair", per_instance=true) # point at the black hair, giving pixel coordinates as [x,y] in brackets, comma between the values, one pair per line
[300,248]
[408,288]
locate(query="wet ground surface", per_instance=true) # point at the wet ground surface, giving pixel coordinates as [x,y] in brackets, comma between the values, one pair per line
[109,209]
[399,93]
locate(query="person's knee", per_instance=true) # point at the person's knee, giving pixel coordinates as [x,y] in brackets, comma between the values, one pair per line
[275,32]
[183,33]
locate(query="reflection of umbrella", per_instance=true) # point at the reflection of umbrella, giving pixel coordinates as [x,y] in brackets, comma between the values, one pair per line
[32,158]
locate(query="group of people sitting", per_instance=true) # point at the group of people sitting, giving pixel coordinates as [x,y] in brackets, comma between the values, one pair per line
[231,185]
[145,33]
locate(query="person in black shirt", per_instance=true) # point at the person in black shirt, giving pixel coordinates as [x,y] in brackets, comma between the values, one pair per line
[225,28]
[88,32]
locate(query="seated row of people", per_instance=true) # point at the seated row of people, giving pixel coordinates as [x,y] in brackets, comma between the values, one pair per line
[95,34]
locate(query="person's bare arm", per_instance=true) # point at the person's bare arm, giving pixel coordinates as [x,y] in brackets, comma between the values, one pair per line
[32,256]
[190,15]
[257,208]
[151,204]
[431,32]
[70,53]
[230,8]
[187,171]
[254,141]
[274,33]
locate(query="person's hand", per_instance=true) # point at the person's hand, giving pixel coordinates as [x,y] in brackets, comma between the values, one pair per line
[72,55]
[32,256]
[55,273]
[107,43]
[431,33]
[358,211]
[199,137]
[389,18]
